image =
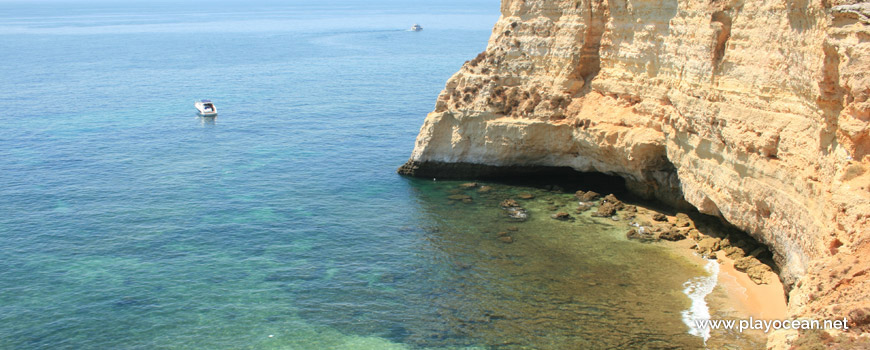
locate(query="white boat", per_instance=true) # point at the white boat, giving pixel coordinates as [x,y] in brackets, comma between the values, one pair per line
[416,28]
[206,108]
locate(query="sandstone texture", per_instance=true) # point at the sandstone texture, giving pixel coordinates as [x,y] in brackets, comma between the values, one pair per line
[753,111]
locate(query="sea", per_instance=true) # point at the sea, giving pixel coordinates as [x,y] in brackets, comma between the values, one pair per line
[128,222]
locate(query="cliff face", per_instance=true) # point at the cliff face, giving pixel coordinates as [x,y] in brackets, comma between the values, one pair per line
[754,111]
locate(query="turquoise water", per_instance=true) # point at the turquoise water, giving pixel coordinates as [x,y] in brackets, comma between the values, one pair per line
[126,222]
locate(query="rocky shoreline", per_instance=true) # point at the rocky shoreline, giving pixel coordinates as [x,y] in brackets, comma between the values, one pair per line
[693,235]
[711,237]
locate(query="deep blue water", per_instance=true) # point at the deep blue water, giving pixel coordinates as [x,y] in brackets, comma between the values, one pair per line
[126,222]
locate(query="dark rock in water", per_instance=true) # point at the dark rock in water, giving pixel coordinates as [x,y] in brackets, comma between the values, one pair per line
[462,265]
[509,203]
[610,198]
[659,229]
[459,197]
[467,200]
[506,239]
[582,208]
[673,234]
[526,196]
[502,233]
[606,209]
[468,185]
[552,208]
[562,216]
[513,228]
[659,217]
[398,333]
[683,220]
[587,196]
[517,213]
[639,235]
[484,189]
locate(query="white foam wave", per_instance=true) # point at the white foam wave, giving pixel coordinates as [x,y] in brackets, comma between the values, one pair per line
[697,289]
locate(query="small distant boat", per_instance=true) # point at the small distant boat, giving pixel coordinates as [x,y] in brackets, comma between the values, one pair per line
[416,28]
[206,108]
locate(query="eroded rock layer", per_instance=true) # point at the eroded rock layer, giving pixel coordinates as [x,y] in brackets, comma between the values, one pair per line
[754,111]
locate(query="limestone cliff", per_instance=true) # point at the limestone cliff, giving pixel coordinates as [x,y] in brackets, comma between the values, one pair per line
[754,111]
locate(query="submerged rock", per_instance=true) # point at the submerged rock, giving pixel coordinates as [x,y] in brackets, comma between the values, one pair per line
[582,208]
[484,189]
[509,203]
[606,209]
[673,234]
[506,239]
[587,196]
[468,185]
[610,198]
[459,197]
[517,213]
[526,196]
[513,210]
[640,234]
[562,216]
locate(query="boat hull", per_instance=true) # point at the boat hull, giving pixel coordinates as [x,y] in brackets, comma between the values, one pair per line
[205,109]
